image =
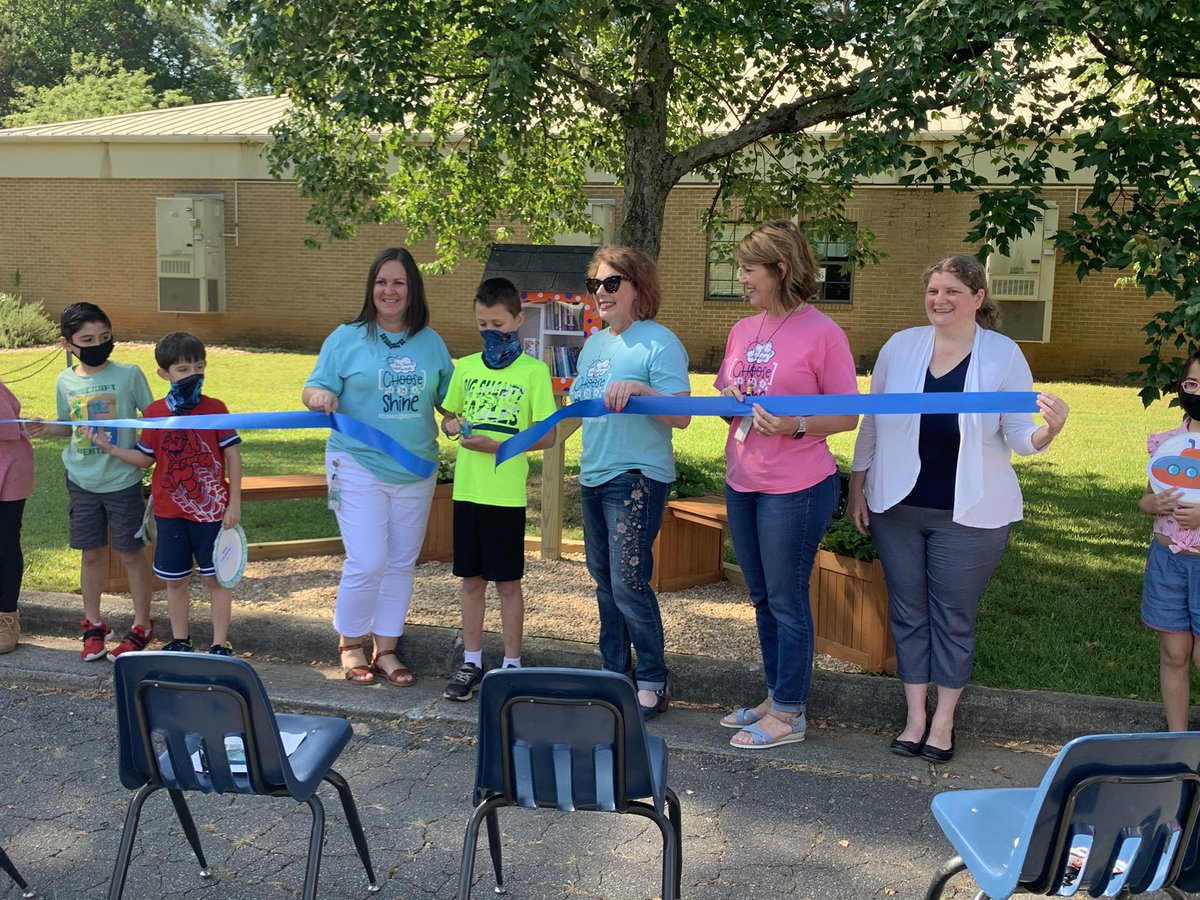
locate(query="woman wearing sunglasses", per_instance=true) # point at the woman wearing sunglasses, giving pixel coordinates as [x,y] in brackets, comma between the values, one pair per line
[939,492]
[627,464]
[781,481]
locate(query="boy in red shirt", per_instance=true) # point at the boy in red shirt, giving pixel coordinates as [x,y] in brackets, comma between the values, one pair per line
[196,489]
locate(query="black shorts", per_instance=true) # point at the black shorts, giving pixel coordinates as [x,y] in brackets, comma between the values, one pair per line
[489,541]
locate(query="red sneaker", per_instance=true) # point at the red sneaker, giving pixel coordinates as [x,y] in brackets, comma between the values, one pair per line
[94,634]
[137,639]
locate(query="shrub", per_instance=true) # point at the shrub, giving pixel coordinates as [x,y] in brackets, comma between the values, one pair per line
[843,538]
[24,324]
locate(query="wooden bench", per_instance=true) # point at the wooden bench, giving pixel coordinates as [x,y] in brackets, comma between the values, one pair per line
[438,543]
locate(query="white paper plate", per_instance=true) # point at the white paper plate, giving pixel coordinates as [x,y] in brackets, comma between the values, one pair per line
[229,556]
[1176,465]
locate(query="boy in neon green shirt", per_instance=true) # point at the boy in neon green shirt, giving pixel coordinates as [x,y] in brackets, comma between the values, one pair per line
[494,394]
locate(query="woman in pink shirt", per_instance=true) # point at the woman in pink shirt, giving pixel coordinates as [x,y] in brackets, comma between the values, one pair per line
[16,484]
[781,480]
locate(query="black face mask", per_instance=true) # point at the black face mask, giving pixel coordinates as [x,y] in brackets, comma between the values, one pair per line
[96,355]
[1190,404]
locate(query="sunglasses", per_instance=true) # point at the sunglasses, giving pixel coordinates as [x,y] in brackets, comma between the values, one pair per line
[611,284]
[1190,386]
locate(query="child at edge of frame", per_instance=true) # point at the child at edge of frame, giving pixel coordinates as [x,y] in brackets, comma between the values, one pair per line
[196,489]
[104,494]
[1170,588]
[493,395]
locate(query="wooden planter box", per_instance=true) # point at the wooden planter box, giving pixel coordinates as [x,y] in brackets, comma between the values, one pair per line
[439,533]
[850,612]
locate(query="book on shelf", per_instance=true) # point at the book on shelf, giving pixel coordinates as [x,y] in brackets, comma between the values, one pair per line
[533,347]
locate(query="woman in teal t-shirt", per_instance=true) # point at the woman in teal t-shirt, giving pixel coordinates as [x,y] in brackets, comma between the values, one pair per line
[627,464]
[389,369]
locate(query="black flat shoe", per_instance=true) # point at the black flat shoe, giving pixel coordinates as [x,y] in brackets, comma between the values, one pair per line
[908,748]
[936,754]
[660,705]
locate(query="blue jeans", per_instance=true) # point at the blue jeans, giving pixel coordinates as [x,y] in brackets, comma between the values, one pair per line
[776,537]
[621,519]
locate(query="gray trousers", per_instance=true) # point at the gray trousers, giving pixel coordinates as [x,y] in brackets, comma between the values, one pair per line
[936,571]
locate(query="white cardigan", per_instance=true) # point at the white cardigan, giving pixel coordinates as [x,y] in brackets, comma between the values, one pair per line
[986,493]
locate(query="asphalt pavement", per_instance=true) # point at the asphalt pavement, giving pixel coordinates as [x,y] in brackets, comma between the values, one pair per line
[836,816]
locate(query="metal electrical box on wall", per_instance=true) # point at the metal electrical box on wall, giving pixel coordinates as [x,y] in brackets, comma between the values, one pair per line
[191,254]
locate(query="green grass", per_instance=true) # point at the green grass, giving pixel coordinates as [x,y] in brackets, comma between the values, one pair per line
[1061,612]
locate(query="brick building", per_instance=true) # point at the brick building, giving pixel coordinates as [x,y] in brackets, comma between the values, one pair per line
[79,219]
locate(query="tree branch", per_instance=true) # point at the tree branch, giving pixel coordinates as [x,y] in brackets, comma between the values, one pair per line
[1122,57]
[594,91]
[831,106]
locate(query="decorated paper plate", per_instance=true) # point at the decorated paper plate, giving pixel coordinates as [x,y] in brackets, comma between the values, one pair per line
[1175,465]
[229,556]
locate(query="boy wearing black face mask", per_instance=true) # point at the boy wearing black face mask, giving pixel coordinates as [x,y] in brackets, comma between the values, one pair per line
[196,489]
[498,392]
[103,494]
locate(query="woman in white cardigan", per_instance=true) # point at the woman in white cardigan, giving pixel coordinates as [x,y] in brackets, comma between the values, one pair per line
[938,492]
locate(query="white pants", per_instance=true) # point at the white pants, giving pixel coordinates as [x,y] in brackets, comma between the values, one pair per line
[383,526]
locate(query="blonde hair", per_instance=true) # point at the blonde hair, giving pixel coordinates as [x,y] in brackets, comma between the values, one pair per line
[970,272]
[782,248]
[638,268]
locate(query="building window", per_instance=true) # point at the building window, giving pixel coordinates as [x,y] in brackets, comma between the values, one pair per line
[722,267]
[836,283]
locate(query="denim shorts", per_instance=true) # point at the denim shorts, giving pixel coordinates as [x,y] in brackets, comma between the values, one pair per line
[179,542]
[1171,591]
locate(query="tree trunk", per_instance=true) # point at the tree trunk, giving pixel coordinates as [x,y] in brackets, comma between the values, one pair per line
[647,184]
[650,171]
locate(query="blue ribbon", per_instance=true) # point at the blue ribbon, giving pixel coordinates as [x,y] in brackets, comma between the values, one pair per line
[798,405]
[360,431]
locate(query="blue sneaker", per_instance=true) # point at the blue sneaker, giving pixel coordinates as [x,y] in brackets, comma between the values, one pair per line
[179,645]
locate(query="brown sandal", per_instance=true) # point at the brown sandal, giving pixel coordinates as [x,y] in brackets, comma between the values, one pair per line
[401,676]
[357,674]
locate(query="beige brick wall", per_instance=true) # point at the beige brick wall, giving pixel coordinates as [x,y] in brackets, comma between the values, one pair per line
[95,240]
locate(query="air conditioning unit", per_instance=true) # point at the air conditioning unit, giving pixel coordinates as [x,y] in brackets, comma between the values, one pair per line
[1022,281]
[191,254]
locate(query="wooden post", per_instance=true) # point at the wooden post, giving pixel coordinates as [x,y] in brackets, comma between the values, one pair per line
[553,469]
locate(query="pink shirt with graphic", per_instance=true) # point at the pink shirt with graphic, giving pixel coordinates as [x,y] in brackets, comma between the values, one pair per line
[1181,538]
[806,353]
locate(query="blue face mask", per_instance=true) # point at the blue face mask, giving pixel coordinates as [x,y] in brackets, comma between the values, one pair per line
[184,394]
[500,348]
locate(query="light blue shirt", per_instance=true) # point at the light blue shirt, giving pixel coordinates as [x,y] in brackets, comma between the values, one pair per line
[394,390]
[645,352]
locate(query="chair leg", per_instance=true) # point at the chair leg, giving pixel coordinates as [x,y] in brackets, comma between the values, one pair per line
[116,885]
[671,856]
[493,833]
[675,814]
[467,868]
[948,870]
[189,829]
[355,823]
[315,840]
[7,865]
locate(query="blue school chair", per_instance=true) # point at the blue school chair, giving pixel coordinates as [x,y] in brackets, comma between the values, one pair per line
[571,740]
[176,716]
[7,865]
[1115,815]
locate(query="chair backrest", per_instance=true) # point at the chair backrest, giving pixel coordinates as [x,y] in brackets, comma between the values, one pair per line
[1115,811]
[174,713]
[564,738]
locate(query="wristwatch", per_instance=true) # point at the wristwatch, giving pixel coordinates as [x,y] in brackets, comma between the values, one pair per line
[802,430]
